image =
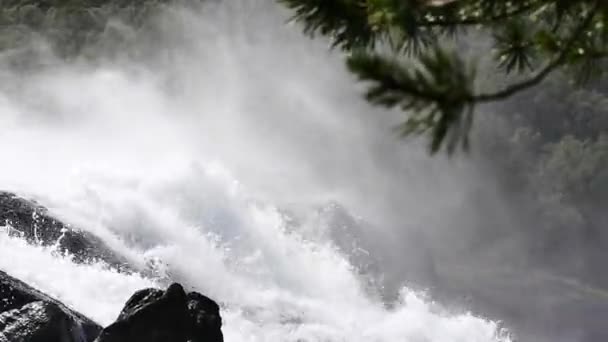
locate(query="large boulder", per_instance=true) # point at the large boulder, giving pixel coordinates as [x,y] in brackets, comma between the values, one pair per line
[152,315]
[28,315]
[39,322]
[29,220]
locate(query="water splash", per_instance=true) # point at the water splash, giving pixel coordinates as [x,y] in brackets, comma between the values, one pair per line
[182,165]
[212,236]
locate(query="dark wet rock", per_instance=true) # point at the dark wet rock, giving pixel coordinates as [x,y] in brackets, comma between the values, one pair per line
[28,315]
[39,322]
[204,318]
[35,224]
[152,315]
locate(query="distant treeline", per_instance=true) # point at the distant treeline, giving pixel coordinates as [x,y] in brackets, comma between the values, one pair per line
[551,158]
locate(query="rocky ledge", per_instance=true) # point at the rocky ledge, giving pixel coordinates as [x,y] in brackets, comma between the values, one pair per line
[28,220]
[150,315]
[28,315]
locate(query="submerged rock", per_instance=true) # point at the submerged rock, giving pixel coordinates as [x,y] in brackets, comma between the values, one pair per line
[32,222]
[28,315]
[152,315]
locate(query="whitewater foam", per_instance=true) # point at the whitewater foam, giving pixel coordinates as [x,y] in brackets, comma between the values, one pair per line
[273,284]
[95,290]
[182,169]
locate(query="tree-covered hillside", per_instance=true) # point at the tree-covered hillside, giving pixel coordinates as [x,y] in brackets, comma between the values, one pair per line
[549,151]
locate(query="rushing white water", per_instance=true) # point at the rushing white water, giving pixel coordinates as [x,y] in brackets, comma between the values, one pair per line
[183,164]
[273,285]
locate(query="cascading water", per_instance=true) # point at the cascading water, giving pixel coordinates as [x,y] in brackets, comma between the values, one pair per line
[182,154]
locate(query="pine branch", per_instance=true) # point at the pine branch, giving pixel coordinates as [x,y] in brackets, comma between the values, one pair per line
[436,88]
[434,93]
[548,69]
[480,20]
[344,21]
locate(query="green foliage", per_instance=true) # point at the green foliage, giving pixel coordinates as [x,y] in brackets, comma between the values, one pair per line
[345,21]
[425,90]
[515,48]
[533,37]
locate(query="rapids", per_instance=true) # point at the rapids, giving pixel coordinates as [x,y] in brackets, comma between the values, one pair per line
[183,153]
